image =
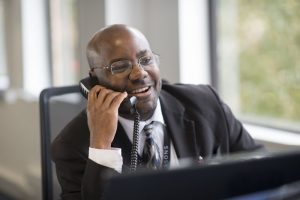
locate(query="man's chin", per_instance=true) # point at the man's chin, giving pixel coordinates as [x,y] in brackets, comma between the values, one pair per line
[146,110]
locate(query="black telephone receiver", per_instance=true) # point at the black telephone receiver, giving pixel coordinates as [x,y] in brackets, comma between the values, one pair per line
[86,85]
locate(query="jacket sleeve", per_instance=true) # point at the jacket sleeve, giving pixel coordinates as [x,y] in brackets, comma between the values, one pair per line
[79,177]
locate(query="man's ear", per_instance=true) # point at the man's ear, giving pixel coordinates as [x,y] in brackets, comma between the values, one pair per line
[93,77]
[92,73]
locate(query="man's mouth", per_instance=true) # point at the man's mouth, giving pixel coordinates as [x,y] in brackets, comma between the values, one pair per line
[140,90]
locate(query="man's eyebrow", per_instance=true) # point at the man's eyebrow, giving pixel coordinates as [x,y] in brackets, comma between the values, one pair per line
[141,53]
[116,60]
[138,55]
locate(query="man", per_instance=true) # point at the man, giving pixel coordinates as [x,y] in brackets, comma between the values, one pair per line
[97,143]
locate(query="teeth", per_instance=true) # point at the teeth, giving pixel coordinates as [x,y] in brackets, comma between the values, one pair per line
[140,90]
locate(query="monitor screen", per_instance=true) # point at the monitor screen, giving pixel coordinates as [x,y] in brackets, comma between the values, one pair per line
[213,179]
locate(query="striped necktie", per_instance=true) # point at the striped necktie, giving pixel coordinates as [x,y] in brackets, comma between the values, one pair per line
[151,153]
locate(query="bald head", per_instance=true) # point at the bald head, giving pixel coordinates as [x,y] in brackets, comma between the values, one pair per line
[111,38]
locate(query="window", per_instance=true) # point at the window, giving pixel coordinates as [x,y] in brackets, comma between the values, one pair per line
[35,50]
[64,42]
[258,60]
[193,42]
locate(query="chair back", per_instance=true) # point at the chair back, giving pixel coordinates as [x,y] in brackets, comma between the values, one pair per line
[58,105]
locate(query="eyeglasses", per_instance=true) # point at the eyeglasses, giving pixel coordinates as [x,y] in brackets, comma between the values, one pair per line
[123,66]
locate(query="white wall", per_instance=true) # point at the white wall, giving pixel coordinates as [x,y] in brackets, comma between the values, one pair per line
[162,29]
[158,20]
[91,18]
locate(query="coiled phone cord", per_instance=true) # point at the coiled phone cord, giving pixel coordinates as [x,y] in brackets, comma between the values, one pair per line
[135,142]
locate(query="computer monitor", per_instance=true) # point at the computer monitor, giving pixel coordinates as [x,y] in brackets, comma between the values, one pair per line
[290,191]
[214,179]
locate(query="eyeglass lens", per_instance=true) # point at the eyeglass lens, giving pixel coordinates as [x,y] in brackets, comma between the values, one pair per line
[126,65]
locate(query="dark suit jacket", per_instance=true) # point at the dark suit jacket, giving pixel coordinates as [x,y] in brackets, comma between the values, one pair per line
[198,123]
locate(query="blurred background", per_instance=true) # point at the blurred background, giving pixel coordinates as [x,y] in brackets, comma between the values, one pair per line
[248,50]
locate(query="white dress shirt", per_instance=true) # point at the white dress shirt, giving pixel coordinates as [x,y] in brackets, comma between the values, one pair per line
[113,158]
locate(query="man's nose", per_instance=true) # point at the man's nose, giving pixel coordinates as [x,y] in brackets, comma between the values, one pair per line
[137,72]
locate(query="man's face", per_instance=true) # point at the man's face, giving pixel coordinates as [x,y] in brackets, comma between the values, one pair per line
[143,83]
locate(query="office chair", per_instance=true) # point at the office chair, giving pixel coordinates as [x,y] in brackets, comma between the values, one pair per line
[58,105]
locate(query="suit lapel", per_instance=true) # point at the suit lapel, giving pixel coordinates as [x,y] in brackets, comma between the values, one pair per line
[179,127]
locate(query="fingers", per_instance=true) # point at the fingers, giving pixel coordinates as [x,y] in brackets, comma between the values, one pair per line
[114,99]
[105,98]
[118,99]
[94,92]
[93,95]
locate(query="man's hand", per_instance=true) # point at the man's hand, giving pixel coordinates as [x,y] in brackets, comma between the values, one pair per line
[102,114]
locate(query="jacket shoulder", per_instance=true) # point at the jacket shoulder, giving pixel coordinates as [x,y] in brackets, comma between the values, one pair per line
[195,95]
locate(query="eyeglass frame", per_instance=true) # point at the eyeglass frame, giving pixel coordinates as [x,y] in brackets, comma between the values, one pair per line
[109,67]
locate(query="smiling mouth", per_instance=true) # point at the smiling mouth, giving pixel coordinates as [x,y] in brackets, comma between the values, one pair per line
[140,90]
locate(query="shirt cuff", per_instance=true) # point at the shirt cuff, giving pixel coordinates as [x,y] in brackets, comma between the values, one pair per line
[111,158]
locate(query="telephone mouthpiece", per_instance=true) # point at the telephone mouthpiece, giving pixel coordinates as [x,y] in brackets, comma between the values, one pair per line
[132,100]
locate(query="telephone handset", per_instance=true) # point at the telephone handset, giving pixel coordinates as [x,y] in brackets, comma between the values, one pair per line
[86,84]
